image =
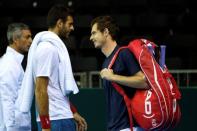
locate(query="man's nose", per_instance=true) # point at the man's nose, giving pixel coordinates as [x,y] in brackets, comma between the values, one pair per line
[72,28]
[91,38]
[30,41]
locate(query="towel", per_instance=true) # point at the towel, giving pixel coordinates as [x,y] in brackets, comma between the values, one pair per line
[66,78]
[2,125]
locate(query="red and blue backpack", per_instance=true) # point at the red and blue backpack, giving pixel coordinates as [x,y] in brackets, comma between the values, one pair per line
[155,108]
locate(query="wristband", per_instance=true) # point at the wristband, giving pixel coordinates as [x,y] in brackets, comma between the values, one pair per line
[45,121]
[73,108]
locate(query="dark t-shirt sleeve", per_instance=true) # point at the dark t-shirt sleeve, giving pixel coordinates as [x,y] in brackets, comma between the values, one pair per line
[130,61]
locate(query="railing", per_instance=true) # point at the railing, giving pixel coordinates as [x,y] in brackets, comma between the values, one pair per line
[81,79]
[88,79]
[184,78]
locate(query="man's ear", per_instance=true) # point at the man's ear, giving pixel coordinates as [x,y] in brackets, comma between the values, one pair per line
[14,39]
[106,32]
[59,23]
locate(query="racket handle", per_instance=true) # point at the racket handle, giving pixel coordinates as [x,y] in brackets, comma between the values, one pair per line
[162,56]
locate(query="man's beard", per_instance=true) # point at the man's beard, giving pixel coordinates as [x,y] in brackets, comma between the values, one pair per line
[64,34]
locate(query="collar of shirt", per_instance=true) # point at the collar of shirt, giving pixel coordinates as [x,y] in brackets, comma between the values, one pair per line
[114,51]
[19,57]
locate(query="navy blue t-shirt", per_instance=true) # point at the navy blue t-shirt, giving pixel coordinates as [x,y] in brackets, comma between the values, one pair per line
[126,65]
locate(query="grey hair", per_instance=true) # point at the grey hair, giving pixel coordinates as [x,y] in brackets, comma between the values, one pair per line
[14,31]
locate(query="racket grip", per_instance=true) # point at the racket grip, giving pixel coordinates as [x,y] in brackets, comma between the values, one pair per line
[162,56]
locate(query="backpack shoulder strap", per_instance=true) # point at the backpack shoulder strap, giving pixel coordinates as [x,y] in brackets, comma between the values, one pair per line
[115,56]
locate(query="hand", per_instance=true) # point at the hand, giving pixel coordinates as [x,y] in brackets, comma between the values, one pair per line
[107,74]
[46,129]
[81,123]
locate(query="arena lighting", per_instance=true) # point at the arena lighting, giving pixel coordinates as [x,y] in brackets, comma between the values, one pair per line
[35,4]
[70,3]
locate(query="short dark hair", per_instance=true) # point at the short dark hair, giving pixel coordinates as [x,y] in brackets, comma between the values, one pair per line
[106,22]
[57,12]
[14,31]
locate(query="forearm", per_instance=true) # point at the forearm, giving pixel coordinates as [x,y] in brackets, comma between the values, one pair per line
[41,95]
[137,80]
[42,103]
[130,81]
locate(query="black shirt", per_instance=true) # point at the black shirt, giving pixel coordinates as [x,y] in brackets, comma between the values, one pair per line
[126,65]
